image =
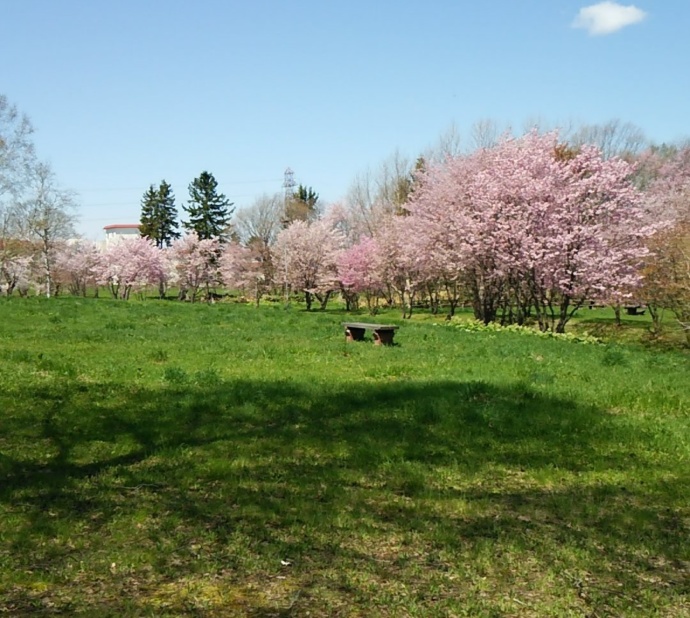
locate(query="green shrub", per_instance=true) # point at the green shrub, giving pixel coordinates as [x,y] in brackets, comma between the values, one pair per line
[476,326]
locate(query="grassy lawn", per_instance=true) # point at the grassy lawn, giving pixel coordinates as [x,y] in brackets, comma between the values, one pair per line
[166,459]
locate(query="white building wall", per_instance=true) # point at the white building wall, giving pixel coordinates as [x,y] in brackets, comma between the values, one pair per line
[120,233]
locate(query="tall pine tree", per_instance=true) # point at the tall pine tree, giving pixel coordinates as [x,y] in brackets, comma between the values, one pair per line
[209,211]
[159,216]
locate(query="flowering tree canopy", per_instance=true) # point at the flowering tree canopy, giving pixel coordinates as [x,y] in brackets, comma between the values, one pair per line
[15,272]
[306,258]
[667,271]
[358,270]
[78,263]
[531,224]
[243,268]
[195,263]
[130,264]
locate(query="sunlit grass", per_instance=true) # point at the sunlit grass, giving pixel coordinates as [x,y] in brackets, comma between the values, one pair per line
[167,459]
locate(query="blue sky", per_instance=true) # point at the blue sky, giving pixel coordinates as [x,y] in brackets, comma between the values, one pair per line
[124,94]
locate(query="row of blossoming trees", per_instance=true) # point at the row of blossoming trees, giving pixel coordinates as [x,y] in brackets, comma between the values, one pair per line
[525,229]
[530,229]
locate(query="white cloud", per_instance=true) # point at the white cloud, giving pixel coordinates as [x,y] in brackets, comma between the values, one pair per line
[607,17]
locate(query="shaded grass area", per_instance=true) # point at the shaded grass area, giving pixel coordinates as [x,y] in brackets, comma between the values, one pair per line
[632,329]
[219,461]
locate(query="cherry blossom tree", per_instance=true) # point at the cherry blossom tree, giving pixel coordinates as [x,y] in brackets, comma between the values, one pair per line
[667,276]
[532,225]
[667,272]
[306,256]
[359,274]
[15,272]
[130,265]
[195,263]
[397,263]
[243,268]
[78,263]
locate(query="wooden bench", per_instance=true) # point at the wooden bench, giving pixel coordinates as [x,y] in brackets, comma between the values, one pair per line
[383,333]
[635,309]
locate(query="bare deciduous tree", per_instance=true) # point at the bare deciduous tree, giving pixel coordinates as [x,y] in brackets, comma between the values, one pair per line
[16,149]
[45,217]
[260,221]
[614,138]
[16,161]
[375,194]
[486,133]
[449,144]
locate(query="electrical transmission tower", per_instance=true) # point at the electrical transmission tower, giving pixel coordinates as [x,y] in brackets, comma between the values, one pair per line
[288,185]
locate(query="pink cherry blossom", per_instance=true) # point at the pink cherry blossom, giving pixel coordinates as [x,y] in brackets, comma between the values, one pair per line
[130,265]
[194,264]
[306,255]
[530,227]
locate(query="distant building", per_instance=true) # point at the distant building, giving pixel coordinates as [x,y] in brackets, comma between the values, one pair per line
[120,231]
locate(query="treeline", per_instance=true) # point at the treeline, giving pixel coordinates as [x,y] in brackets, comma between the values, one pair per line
[524,229]
[210,213]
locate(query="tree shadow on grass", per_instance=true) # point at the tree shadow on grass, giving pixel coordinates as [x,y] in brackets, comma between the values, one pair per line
[243,474]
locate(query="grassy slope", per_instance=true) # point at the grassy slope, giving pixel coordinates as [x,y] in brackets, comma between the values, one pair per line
[162,459]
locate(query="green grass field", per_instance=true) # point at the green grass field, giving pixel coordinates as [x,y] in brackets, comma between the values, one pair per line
[166,459]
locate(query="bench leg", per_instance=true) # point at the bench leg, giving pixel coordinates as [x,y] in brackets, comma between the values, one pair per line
[384,337]
[354,334]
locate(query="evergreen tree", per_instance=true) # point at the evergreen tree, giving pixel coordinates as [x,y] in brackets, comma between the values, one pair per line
[301,206]
[159,216]
[405,186]
[209,211]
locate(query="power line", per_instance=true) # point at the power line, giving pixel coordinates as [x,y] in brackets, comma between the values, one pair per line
[137,205]
[235,182]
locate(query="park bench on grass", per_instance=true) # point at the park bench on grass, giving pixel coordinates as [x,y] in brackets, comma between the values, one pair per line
[635,309]
[383,333]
